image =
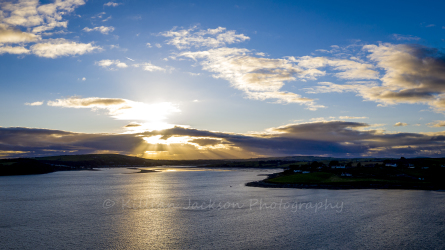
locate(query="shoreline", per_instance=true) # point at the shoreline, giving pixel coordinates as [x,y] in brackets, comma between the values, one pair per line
[358,185]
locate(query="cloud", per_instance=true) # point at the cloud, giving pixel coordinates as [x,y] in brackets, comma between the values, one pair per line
[99,15]
[334,138]
[386,73]
[259,78]
[399,37]
[158,45]
[112,4]
[192,37]
[412,74]
[14,50]
[106,19]
[108,63]
[206,142]
[148,67]
[400,124]
[436,124]
[16,36]
[41,17]
[42,142]
[38,19]
[349,69]
[94,102]
[120,109]
[148,45]
[133,124]
[54,48]
[102,29]
[34,103]
[352,117]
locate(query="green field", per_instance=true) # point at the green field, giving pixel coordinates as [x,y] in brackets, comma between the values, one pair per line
[327,178]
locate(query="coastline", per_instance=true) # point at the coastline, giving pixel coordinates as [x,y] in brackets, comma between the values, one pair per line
[341,186]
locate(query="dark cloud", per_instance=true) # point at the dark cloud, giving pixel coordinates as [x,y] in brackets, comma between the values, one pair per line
[411,74]
[87,102]
[206,142]
[132,125]
[414,73]
[334,138]
[42,142]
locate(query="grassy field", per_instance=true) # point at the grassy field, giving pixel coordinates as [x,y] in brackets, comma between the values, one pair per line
[7,163]
[327,178]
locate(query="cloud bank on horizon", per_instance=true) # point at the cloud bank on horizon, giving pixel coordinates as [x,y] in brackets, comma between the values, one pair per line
[339,138]
[319,89]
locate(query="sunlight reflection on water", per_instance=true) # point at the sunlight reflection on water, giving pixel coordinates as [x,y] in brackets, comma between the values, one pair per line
[192,208]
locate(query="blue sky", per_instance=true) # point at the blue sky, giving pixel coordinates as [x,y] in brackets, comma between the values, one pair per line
[228,79]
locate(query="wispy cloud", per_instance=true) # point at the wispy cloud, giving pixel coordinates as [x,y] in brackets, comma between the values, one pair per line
[109,63]
[53,48]
[259,78]
[193,37]
[348,69]
[114,64]
[102,29]
[34,103]
[400,124]
[399,37]
[436,124]
[412,74]
[120,109]
[112,4]
[148,67]
[353,117]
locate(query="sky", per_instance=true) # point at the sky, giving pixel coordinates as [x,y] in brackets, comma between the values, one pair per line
[222,79]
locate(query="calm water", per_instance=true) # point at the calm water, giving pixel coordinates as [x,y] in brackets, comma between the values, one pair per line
[114,209]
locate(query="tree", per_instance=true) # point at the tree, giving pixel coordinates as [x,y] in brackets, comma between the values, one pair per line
[334,163]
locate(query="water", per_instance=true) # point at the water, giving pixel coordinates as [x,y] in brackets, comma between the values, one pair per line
[116,209]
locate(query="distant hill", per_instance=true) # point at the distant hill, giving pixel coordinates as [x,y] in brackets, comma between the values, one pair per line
[94,160]
[38,165]
[24,166]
